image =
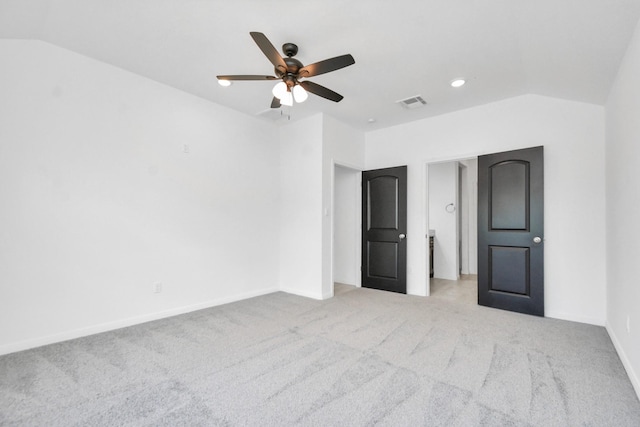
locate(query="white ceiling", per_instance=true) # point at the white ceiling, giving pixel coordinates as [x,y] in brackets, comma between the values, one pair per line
[568,49]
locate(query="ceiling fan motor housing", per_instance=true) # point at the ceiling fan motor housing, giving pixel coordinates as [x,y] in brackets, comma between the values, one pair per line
[290,49]
[293,66]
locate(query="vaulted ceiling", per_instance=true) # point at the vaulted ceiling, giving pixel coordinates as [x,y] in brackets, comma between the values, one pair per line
[568,49]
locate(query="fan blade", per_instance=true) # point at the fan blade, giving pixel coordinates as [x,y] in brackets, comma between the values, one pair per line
[269,51]
[321,91]
[247,77]
[326,66]
[275,103]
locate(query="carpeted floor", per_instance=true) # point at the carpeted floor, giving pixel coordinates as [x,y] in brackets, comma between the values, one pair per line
[361,358]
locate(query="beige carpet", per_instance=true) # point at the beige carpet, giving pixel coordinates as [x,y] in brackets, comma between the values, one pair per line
[364,357]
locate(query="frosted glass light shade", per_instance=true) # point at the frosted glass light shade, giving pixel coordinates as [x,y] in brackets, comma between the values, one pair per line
[287,99]
[299,94]
[280,90]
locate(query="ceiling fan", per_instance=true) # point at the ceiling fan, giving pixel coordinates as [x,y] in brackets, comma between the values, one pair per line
[290,71]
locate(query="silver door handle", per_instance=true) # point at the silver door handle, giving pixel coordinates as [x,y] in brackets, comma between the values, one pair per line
[537,239]
[402,236]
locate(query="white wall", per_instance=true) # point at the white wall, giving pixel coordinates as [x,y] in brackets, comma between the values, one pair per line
[346,226]
[463,213]
[309,151]
[443,183]
[471,202]
[99,202]
[623,211]
[341,145]
[572,134]
[301,213]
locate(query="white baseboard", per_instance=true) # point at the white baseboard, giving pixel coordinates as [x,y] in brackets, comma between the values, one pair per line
[123,323]
[573,318]
[633,375]
[312,295]
[420,293]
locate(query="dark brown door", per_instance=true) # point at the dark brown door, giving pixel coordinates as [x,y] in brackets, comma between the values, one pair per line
[511,231]
[384,228]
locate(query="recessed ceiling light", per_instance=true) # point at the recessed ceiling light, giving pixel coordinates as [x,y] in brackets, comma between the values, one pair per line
[457,82]
[371,120]
[224,83]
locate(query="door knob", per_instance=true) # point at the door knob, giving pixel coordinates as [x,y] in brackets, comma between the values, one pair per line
[537,239]
[402,236]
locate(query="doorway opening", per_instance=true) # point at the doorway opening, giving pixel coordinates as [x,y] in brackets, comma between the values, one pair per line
[346,228]
[464,290]
[452,227]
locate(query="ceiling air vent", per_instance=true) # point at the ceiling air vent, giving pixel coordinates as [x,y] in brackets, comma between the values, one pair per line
[413,102]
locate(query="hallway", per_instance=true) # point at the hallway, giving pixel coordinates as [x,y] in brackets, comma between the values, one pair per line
[464,290]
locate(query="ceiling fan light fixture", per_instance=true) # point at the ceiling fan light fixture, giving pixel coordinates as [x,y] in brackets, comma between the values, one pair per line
[287,99]
[299,94]
[280,90]
[289,70]
[224,83]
